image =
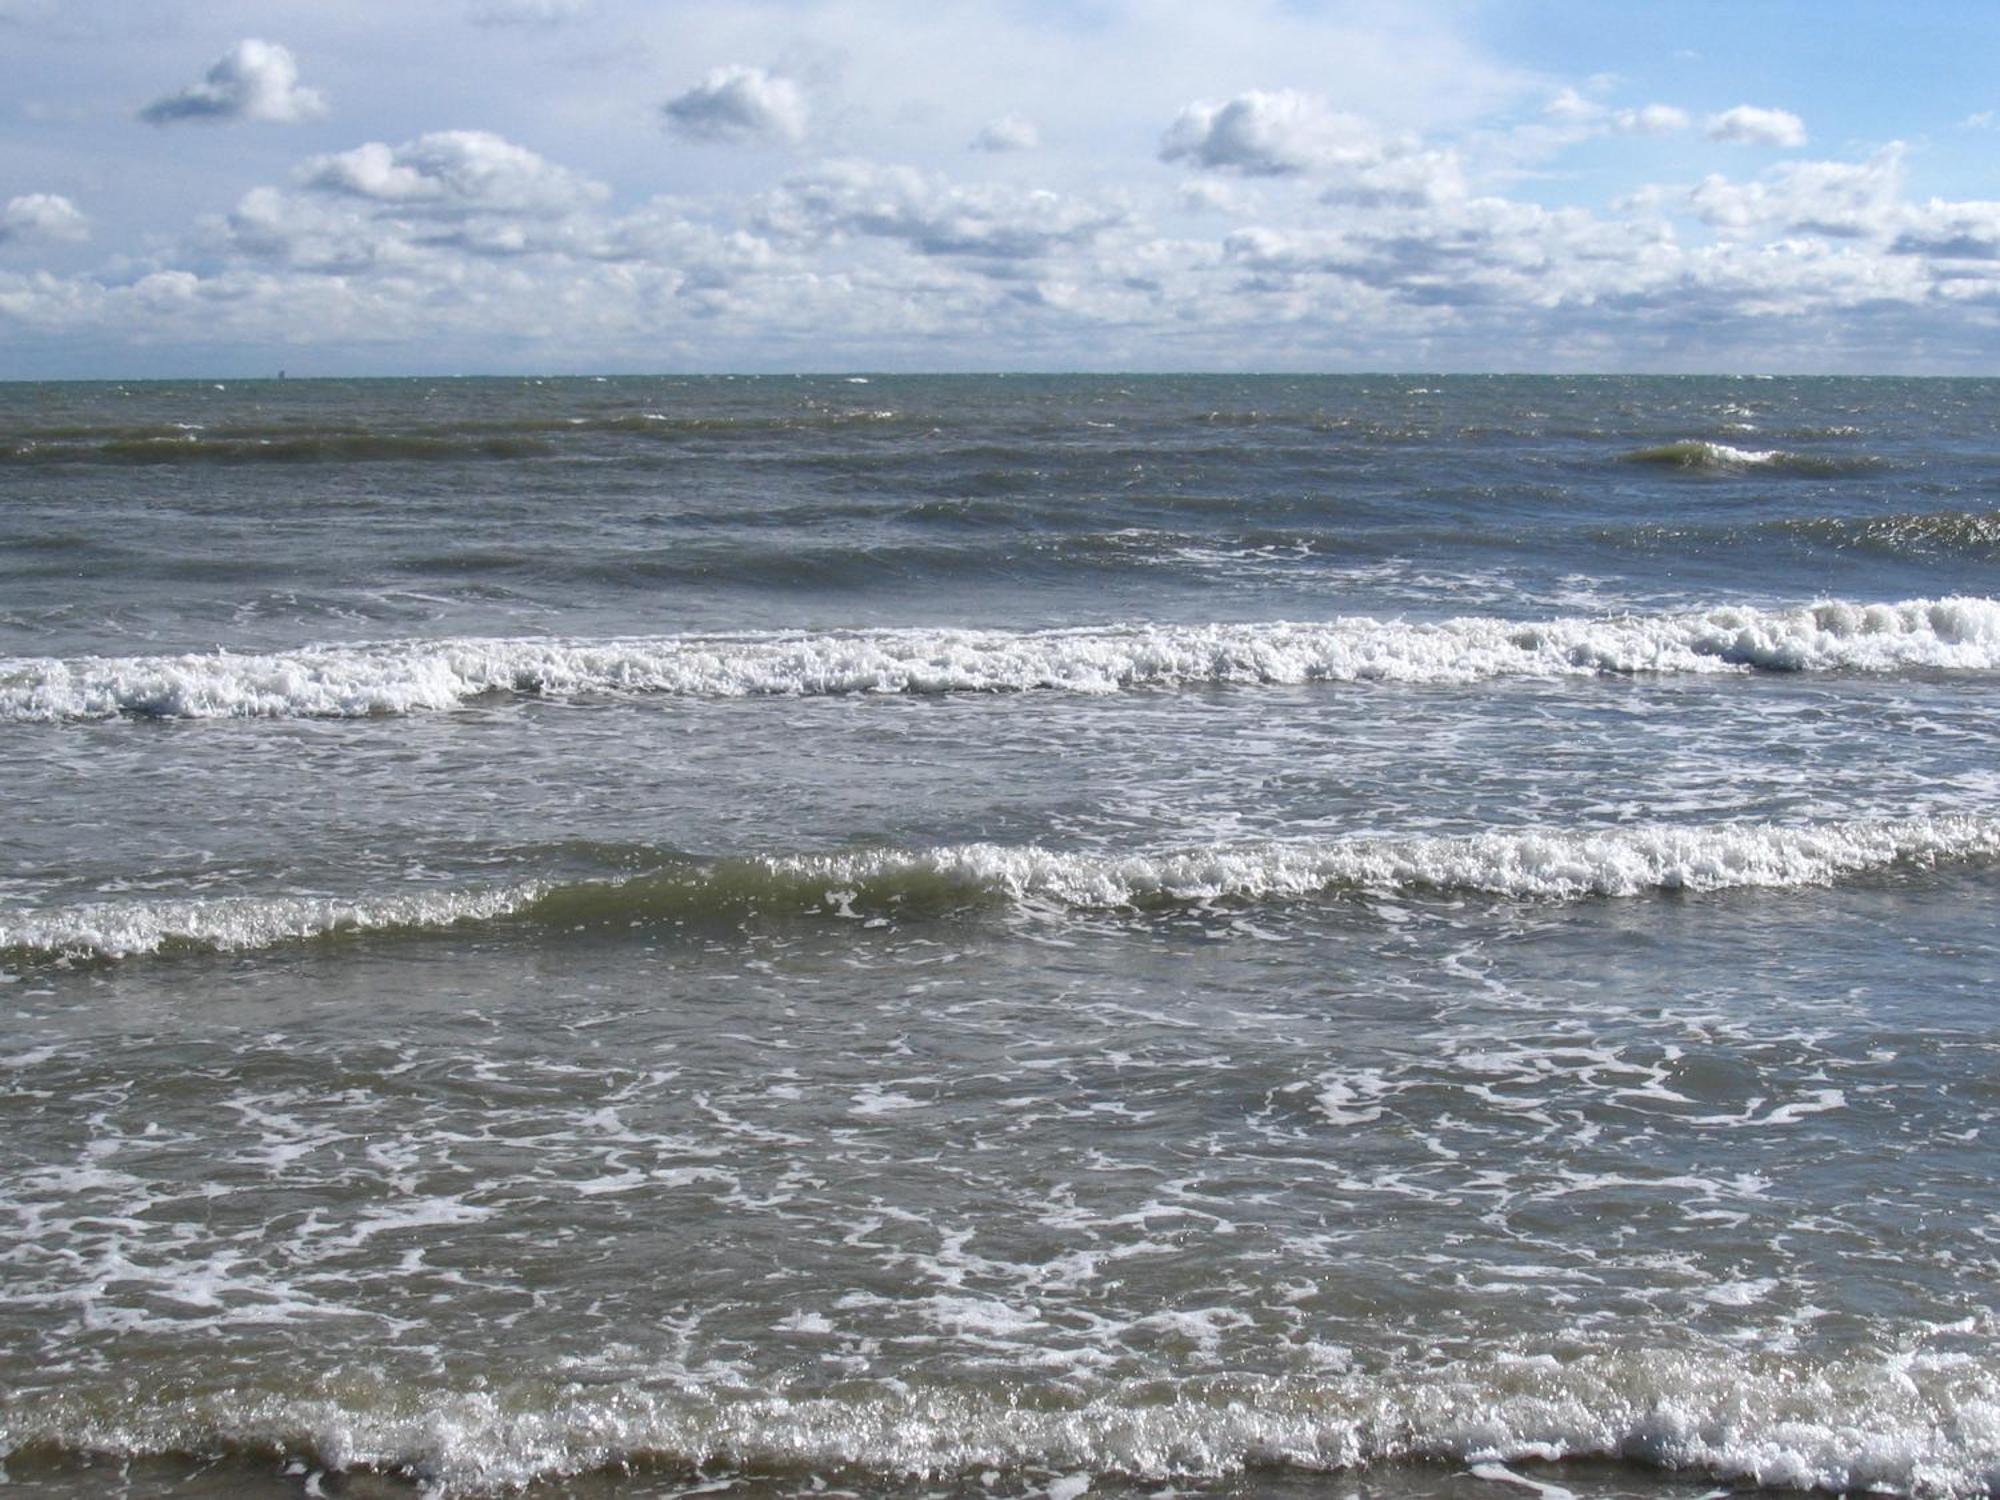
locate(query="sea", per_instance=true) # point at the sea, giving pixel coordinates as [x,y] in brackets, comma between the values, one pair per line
[1000,936]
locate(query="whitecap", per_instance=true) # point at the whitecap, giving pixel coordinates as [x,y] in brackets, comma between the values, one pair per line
[410,676]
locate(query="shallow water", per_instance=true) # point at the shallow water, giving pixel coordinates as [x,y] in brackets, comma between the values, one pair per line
[1002,935]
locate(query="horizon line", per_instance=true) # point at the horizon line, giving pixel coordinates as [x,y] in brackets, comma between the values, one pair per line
[285,377]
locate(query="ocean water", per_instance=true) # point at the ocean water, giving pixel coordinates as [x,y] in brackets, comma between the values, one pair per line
[1000,936]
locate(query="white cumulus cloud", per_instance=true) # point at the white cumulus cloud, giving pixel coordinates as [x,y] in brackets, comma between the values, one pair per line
[454,171]
[1952,231]
[253,80]
[1747,125]
[739,105]
[1271,134]
[931,216]
[1588,117]
[1651,119]
[1286,133]
[1414,208]
[1571,108]
[42,216]
[1008,133]
[448,208]
[1844,200]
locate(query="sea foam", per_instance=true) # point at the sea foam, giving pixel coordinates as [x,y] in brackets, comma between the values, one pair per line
[395,677]
[1909,1425]
[107,929]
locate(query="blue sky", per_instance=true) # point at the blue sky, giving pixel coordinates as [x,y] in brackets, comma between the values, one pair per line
[238,186]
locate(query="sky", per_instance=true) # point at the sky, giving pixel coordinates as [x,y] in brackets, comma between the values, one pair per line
[351,187]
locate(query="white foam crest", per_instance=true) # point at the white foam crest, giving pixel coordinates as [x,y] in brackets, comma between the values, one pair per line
[98,930]
[1728,453]
[1696,453]
[395,677]
[1907,1426]
[1558,864]
[1534,864]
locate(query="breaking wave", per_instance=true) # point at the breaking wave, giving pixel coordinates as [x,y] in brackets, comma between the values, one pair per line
[1544,865]
[234,924]
[1723,458]
[395,677]
[1923,1425]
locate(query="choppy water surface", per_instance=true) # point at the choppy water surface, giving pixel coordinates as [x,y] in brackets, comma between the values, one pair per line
[1000,936]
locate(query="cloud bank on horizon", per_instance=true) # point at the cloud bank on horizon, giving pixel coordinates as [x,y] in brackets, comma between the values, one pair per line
[557,185]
